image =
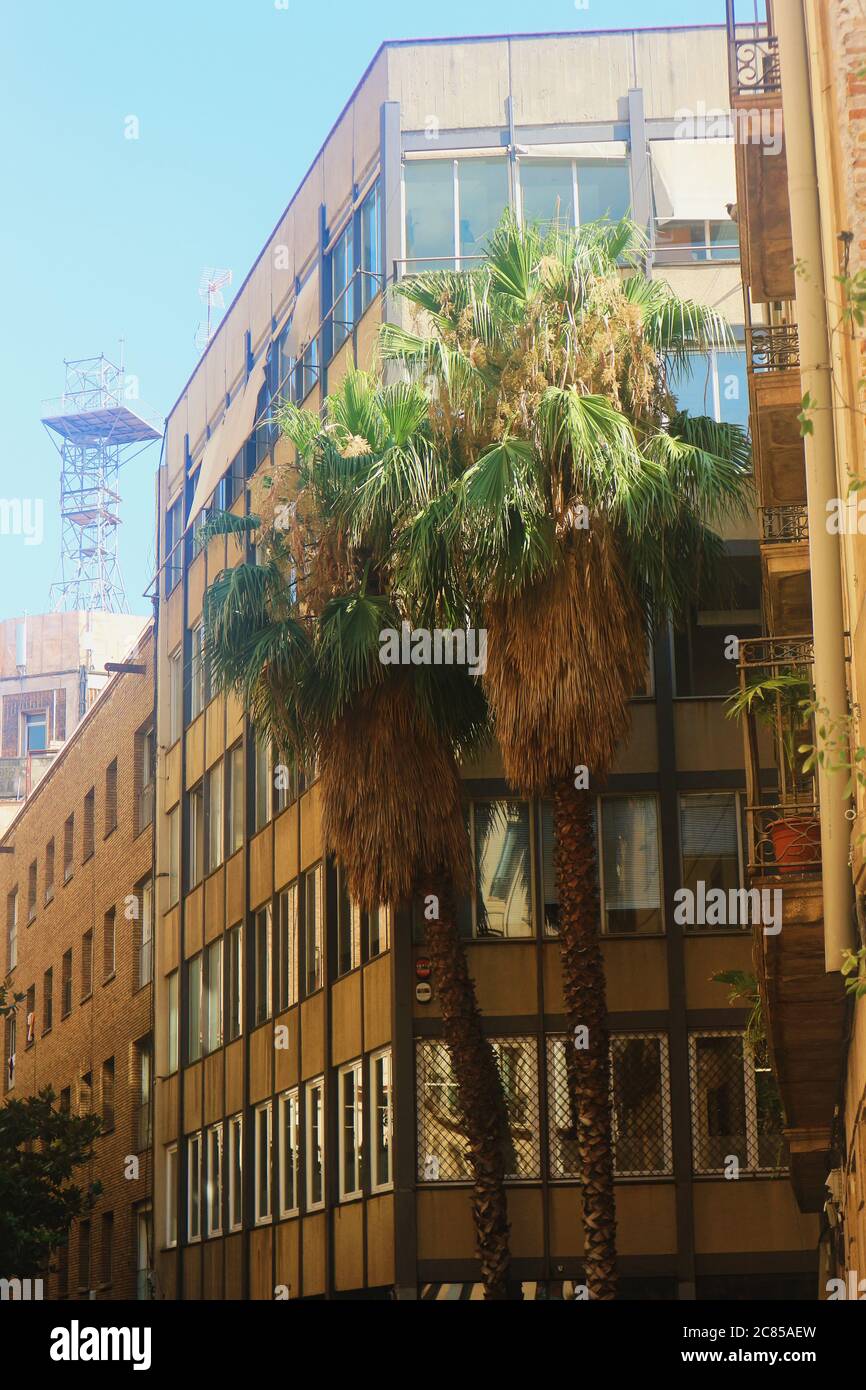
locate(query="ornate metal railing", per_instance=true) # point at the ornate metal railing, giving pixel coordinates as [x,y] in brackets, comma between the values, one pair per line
[783,830]
[773,347]
[755,65]
[784,525]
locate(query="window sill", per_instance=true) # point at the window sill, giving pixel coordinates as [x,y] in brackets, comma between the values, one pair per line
[31,918]
[84,998]
[46,1031]
[68,877]
[49,897]
[108,834]
[108,979]
[85,858]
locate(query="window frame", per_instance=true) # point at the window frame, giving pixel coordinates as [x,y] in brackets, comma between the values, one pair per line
[235,1126]
[311,1203]
[213,1208]
[261,1112]
[194,1147]
[172,1171]
[289,1100]
[382,1054]
[351,1183]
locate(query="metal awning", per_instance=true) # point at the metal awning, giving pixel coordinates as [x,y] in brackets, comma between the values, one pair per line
[693,180]
[228,438]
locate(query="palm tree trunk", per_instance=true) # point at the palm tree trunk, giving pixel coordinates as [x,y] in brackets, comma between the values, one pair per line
[583,985]
[479,1089]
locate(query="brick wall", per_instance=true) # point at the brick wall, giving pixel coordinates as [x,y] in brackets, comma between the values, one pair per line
[116,1013]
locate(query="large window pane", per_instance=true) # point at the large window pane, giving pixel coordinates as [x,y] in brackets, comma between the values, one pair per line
[733,388]
[371,266]
[630,857]
[603,191]
[704,658]
[547,192]
[429,211]
[483,199]
[502,866]
[710,848]
[442,1148]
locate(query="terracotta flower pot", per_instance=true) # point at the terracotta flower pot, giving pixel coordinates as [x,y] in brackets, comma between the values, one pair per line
[796,843]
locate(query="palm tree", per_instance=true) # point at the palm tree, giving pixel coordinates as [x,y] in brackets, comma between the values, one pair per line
[297,636]
[586,509]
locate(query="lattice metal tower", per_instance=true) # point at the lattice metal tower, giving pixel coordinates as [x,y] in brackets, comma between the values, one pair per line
[95,433]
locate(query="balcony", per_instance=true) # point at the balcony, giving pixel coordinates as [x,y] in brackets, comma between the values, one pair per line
[763,210]
[775,398]
[804,1007]
[785,556]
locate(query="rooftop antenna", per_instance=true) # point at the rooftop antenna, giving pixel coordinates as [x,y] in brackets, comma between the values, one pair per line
[210,292]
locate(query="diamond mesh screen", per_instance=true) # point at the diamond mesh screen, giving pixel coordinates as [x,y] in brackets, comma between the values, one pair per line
[641,1107]
[442,1153]
[736,1111]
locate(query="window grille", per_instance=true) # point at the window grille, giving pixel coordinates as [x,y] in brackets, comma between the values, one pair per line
[442,1147]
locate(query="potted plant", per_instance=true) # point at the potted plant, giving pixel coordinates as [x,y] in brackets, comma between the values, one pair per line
[784,704]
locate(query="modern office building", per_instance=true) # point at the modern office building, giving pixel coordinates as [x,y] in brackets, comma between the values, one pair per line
[52,667]
[307,1141]
[805,207]
[76,889]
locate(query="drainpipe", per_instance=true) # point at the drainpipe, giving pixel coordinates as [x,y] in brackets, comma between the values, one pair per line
[821,476]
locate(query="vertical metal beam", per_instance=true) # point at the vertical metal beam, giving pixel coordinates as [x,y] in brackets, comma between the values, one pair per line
[675,945]
[391,160]
[403,1113]
[641,186]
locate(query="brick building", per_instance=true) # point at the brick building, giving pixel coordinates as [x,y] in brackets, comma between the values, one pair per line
[76,896]
[52,668]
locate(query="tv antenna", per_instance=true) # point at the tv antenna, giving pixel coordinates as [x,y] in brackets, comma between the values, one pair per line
[210,292]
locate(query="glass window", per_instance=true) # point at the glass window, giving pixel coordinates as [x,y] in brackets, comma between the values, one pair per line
[313,929]
[173,856]
[214,818]
[315,1134]
[172,985]
[194,986]
[631,894]
[193,1187]
[603,191]
[705,661]
[342,270]
[733,388]
[724,241]
[547,192]
[263,1163]
[350,1090]
[442,1146]
[736,1111]
[236,798]
[144,953]
[500,836]
[289,1153]
[714,384]
[429,213]
[378,931]
[171,1196]
[710,841]
[263,780]
[236,1170]
[213,996]
[173,545]
[197,683]
[196,844]
[371,247]
[640,1107]
[483,199]
[234,982]
[35,733]
[287,947]
[262,965]
[214,1181]
[381,1119]
[348,932]
[175,686]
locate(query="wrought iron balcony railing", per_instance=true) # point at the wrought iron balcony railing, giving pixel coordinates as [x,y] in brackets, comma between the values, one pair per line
[755,68]
[773,347]
[782,811]
[784,525]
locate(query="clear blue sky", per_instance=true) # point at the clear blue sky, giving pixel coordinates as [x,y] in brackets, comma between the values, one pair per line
[105,237]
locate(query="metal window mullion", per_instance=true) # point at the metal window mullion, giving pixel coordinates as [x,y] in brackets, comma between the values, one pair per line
[457,260]
[751,1107]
